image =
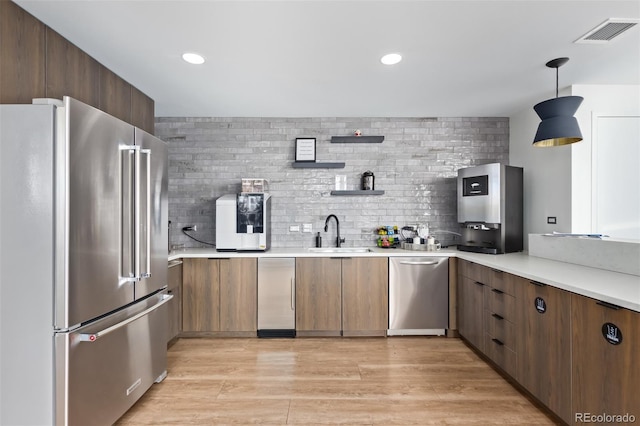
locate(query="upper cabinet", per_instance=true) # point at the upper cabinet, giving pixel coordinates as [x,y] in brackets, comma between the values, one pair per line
[70,71]
[115,95]
[37,62]
[22,55]
[142,111]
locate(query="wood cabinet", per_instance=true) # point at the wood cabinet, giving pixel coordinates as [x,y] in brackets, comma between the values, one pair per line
[471,303]
[365,296]
[575,355]
[70,71]
[37,62]
[605,359]
[544,345]
[115,95]
[500,319]
[487,313]
[342,296]
[201,295]
[239,294]
[142,111]
[220,296]
[174,288]
[22,55]
[318,296]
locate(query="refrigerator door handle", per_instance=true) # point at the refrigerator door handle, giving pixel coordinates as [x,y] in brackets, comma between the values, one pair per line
[144,218]
[136,213]
[92,337]
[127,257]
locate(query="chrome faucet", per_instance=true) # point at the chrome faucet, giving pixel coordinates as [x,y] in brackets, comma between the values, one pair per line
[326,228]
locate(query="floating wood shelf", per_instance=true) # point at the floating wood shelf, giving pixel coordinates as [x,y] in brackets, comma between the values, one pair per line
[316,165]
[358,192]
[357,139]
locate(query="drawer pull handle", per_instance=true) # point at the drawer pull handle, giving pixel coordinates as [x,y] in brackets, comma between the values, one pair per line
[478,283]
[608,305]
[497,342]
[497,271]
[538,284]
[500,317]
[495,290]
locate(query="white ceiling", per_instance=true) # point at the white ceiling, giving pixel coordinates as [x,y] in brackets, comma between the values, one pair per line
[320,58]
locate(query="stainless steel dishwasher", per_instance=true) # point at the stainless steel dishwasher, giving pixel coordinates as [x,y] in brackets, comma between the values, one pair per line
[276,297]
[418,296]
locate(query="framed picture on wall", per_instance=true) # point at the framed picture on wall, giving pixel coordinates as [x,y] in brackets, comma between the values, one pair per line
[306,149]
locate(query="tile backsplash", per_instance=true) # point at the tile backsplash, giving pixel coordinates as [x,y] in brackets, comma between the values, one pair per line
[416,166]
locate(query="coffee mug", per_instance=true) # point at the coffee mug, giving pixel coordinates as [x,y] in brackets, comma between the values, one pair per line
[434,247]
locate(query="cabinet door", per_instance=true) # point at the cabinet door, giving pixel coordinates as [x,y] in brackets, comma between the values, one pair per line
[238,294]
[544,345]
[70,71]
[606,367]
[142,111]
[471,311]
[115,95]
[200,295]
[318,294]
[174,288]
[22,55]
[365,296]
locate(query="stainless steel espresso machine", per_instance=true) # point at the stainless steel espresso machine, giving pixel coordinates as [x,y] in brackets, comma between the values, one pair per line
[490,208]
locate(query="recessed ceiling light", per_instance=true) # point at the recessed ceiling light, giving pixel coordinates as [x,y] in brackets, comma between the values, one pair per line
[391,59]
[193,58]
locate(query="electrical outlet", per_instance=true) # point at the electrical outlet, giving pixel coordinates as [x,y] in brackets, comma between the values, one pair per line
[294,228]
[307,227]
[552,220]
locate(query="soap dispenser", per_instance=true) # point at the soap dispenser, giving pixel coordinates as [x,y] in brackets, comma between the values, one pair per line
[318,240]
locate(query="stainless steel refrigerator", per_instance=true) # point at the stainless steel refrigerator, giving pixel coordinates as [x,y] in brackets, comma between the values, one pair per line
[83,264]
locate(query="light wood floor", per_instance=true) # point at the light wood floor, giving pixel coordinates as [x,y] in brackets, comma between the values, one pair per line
[304,381]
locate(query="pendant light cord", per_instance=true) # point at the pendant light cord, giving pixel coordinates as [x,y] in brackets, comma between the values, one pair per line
[557,81]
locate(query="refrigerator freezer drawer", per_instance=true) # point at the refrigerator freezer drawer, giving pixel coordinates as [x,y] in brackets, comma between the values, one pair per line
[102,369]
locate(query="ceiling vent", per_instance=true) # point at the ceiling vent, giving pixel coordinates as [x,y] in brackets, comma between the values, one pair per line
[608,30]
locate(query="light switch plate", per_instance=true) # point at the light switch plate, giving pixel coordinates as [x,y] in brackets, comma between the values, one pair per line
[294,228]
[552,220]
[307,227]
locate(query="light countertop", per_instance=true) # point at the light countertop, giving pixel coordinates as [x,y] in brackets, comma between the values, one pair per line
[612,287]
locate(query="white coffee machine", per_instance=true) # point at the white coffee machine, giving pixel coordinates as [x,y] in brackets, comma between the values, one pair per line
[243,222]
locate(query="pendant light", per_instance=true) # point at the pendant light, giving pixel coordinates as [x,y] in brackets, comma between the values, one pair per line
[558,125]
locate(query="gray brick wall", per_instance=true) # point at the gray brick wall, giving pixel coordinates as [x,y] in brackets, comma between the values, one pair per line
[416,166]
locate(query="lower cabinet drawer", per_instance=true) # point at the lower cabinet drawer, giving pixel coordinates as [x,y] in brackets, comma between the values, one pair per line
[501,303]
[501,329]
[502,355]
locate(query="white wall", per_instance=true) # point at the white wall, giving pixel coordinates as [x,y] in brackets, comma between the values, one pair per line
[557,180]
[547,176]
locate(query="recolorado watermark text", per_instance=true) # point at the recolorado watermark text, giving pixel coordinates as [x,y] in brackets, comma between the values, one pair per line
[604,418]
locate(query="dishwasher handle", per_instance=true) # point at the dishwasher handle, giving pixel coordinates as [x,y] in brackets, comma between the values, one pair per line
[409,262]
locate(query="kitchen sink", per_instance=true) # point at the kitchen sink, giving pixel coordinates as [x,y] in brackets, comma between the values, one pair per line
[340,250]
